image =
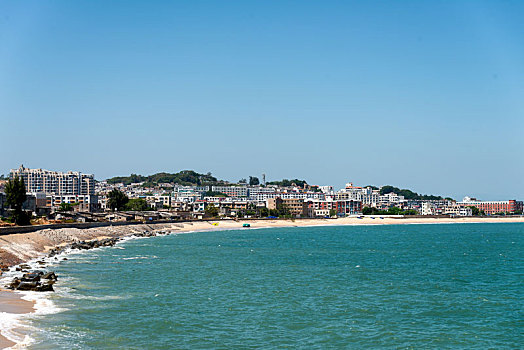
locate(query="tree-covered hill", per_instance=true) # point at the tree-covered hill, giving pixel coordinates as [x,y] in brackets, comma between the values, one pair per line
[408,194]
[184,177]
[287,183]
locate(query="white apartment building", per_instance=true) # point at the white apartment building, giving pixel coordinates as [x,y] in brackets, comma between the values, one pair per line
[326,189]
[164,200]
[391,198]
[81,202]
[55,182]
[455,209]
[254,192]
[367,195]
[188,193]
[231,191]
[428,208]
[261,197]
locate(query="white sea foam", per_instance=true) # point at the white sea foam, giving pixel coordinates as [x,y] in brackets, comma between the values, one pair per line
[17,327]
[43,304]
[141,257]
[12,327]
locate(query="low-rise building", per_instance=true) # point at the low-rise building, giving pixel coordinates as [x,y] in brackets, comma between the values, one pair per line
[296,207]
[347,207]
[87,203]
[320,208]
[493,207]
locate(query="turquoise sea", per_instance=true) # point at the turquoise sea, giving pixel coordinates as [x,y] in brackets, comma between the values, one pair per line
[353,287]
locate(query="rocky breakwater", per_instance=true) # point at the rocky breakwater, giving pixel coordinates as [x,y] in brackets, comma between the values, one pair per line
[43,281]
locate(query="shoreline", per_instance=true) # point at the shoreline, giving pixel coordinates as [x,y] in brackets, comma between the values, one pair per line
[21,248]
[13,305]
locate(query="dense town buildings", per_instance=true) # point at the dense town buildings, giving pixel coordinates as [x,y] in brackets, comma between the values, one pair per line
[49,190]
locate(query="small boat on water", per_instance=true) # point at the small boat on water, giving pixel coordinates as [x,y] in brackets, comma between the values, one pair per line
[246,225]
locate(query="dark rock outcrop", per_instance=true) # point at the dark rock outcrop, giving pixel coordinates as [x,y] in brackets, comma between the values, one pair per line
[37,281]
[28,285]
[50,276]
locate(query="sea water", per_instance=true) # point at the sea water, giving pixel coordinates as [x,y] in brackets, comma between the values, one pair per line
[399,286]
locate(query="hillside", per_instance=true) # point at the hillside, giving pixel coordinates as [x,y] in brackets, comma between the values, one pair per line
[408,194]
[184,177]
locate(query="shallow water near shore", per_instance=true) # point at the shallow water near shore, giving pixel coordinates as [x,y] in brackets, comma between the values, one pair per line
[400,286]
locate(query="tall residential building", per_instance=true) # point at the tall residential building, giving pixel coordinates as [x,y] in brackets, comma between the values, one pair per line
[55,182]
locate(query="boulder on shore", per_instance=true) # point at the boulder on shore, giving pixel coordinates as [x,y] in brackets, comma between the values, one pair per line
[50,276]
[32,276]
[27,285]
[37,281]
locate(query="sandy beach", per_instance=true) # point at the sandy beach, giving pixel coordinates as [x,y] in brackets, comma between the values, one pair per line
[12,303]
[19,248]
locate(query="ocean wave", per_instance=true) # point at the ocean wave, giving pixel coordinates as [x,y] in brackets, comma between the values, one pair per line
[17,327]
[141,257]
[98,298]
[13,327]
[43,304]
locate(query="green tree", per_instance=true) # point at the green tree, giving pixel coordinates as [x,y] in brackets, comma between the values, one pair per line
[367,211]
[395,211]
[264,212]
[211,210]
[332,212]
[474,210]
[287,183]
[408,194]
[273,212]
[15,198]
[253,181]
[65,207]
[116,200]
[137,204]
[215,194]
[283,211]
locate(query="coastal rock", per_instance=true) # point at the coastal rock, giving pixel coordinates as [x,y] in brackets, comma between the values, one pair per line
[50,276]
[54,251]
[32,281]
[31,276]
[14,284]
[27,285]
[47,287]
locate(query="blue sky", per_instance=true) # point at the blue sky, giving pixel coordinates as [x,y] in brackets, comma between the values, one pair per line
[426,95]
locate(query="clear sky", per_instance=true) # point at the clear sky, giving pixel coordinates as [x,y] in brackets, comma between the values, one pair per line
[427,95]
